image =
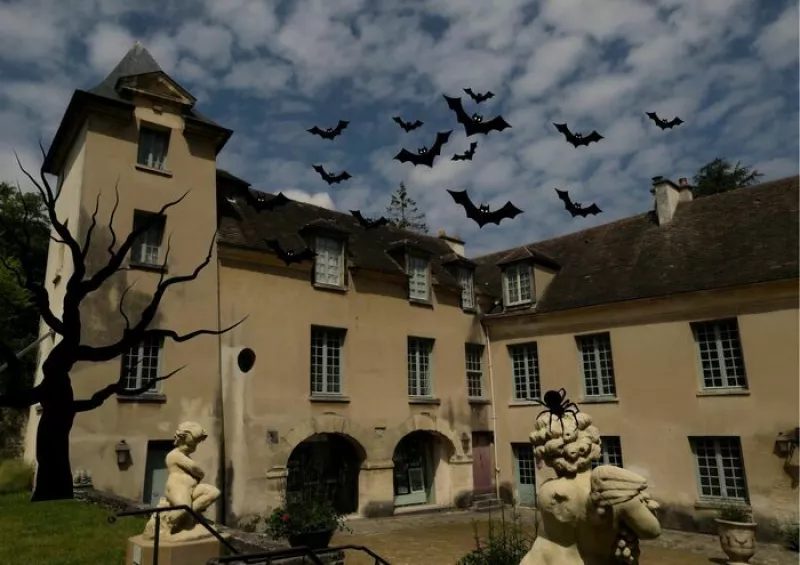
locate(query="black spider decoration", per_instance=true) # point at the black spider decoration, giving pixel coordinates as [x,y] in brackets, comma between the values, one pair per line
[557,404]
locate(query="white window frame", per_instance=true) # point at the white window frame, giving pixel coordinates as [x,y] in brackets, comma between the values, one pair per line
[329,262]
[513,278]
[146,250]
[326,357]
[419,283]
[420,367]
[525,371]
[722,469]
[136,370]
[597,365]
[722,353]
[610,452]
[153,147]
[466,279]
[473,359]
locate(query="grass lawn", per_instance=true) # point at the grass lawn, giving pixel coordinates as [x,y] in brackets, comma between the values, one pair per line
[64,532]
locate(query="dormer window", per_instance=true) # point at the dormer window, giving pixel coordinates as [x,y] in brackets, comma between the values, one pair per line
[465,278]
[418,278]
[153,146]
[329,262]
[517,284]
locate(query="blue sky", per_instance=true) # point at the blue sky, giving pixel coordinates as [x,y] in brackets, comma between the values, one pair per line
[269,70]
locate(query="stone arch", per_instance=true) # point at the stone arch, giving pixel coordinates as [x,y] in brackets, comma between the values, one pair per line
[323,424]
[423,423]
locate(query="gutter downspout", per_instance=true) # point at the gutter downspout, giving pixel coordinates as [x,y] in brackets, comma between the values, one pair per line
[494,407]
[222,509]
[28,347]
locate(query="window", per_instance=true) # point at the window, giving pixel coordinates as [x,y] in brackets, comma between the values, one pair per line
[720,469]
[465,278]
[419,366]
[525,366]
[598,368]
[153,145]
[721,356]
[326,360]
[147,247]
[418,287]
[517,281]
[610,452]
[142,363]
[474,358]
[329,262]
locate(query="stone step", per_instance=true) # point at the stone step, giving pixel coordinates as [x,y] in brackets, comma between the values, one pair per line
[486,505]
[484,496]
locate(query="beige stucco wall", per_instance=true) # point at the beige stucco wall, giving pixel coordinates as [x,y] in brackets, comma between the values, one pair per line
[658,379]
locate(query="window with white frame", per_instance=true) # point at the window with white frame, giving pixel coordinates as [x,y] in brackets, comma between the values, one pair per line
[474,360]
[420,351]
[329,262]
[517,282]
[720,351]
[720,468]
[610,452]
[153,146]
[598,366]
[147,247]
[525,368]
[326,360]
[465,278]
[142,363]
[418,279]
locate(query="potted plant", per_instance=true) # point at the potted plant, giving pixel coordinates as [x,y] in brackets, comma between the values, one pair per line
[737,533]
[306,519]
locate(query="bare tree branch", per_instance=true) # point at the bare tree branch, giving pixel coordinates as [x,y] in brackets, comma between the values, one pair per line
[121,305]
[111,219]
[91,228]
[119,389]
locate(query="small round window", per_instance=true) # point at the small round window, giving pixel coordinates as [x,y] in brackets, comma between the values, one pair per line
[246,359]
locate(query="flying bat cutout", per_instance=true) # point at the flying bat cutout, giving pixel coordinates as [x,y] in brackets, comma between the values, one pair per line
[367,223]
[425,156]
[290,256]
[260,203]
[329,133]
[482,214]
[575,208]
[578,139]
[474,124]
[331,178]
[467,155]
[664,124]
[408,126]
[478,98]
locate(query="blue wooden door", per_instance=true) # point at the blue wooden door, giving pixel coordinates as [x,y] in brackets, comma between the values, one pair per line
[155,478]
[524,473]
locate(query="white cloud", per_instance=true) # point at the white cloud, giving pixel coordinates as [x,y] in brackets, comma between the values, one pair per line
[107,44]
[549,64]
[207,43]
[778,42]
[322,199]
[252,21]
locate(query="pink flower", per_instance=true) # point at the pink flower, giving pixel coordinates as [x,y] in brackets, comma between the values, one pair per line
[285,518]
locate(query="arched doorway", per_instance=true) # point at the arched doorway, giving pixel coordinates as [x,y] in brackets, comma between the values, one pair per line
[330,464]
[417,459]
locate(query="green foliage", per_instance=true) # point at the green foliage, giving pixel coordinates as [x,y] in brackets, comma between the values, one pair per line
[15,476]
[733,512]
[791,536]
[402,211]
[308,510]
[505,543]
[721,175]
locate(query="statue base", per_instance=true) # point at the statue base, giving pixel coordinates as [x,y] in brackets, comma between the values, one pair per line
[140,551]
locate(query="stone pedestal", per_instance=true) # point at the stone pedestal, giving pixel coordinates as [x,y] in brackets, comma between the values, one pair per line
[196,552]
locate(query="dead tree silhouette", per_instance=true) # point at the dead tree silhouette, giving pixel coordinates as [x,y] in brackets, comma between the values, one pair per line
[54,393]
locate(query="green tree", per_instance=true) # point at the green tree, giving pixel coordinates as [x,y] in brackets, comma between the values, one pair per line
[403,212]
[720,175]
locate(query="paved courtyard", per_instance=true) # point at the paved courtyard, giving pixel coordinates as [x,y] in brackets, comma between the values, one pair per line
[441,539]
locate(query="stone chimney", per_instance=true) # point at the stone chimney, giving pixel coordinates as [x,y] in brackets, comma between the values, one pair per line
[455,244]
[667,197]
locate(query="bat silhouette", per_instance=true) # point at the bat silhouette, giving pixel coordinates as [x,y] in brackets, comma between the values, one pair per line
[425,156]
[474,124]
[578,139]
[482,214]
[290,256]
[664,124]
[331,178]
[478,98]
[366,223]
[408,126]
[467,155]
[260,203]
[329,133]
[575,208]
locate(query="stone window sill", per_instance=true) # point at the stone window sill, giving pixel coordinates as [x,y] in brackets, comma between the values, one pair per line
[153,170]
[330,287]
[519,403]
[149,267]
[329,398]
[703,504]
[420,302]
[599,400]
[147,398]
[424,400]
[724,392]
[477,400]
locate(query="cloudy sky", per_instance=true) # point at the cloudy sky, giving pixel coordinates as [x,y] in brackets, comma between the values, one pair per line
[271,69]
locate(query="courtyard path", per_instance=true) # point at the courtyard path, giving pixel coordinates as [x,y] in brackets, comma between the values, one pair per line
[441,539]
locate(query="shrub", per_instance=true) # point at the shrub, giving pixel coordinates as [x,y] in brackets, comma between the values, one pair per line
[791,536]
[735,513]
[15,476]
[506,543]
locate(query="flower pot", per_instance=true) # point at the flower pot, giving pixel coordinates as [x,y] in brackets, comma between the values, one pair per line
[737,539]
[312,540]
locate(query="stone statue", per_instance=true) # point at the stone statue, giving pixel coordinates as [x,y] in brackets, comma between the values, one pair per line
[588,517]
[183,487]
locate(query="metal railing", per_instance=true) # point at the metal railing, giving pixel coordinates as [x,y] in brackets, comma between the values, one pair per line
[267,557]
